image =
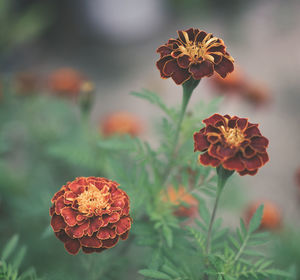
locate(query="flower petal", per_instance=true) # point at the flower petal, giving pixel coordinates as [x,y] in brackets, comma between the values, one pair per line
[72,246]
[224,67]
[69,216]
[200,70]
[183,61]
[57,223]
[234,163]
[106,233]
[206,159]
[200,142]
[123,225]
[248,172]
[92,242]
[109,243]
[252,163]
[77,231]
[212,120]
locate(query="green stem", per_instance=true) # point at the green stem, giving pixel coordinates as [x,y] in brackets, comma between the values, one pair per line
[188,88]
[223,175]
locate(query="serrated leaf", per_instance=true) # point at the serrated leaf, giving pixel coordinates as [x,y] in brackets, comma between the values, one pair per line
[154,274]
[256,219]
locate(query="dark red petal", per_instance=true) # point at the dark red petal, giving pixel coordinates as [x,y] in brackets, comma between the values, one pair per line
[87,250]
[92,242]
[124,236]
[200,142]
[234,163]
[212,151]
[248,172]
[95,224]
[180,76]
[252,131]
[52,210]
[259,143]
[242,124]
[212,120]
[161,63]
[206,159]
[220,48]
[264,157]
[248,152]
[77,231]
[72,246]
[217,58]
[200,36]
[106,233]
[108,243]
[76,187]
[57,223]
[57,195]
[170,67]
[181,36]
[62,236]
[123,225]
[176,53]
[183,61]
[113,218]
[59,205]
[226,152]
[164,50]
[213,139]
[224,67]
[252,163]
[69,216]
[190,33]
[199,70]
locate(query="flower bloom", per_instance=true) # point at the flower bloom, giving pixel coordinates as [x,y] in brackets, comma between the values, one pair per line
[271,218]
[66,81]
[233,142]
[232,83]
[121,123]
[90,213]
[194,53]
[178,196]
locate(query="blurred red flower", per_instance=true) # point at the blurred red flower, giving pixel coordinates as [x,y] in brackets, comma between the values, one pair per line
[257,93]
[179,196]
[66,81]
[271,218]
[121,123]
[233,142]
[195,54]
[91,213]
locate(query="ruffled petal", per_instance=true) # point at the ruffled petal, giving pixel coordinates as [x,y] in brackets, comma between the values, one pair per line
[224,67]
[206,159]
[200,70]
[57,223]
[200,142]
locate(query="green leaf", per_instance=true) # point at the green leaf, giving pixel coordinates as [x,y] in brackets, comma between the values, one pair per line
[256,219]
[278,272]
[168,234]
[154,274]
[10,247]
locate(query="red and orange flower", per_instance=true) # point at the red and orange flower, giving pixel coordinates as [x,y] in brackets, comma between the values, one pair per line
[195,54]
[91,213]
[271,218]
[232,142]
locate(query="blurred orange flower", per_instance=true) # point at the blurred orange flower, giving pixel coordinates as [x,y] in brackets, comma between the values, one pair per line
[271,218]
[66,81]
[91,213]
[195,54]
[234,82]
[27,83]
[257,93]
[232,142]
[179,196]
[121,123]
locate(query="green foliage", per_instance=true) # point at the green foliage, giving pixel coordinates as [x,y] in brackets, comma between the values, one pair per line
[11,259]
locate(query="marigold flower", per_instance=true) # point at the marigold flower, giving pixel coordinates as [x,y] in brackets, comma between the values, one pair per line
[178,196]
[271,218]
[66,81]
[195,54]
[257,94]
[121,123]
[232,142]
[232,83]
[91,213]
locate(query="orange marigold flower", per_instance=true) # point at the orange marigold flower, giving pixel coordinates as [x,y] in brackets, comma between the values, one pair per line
[66,81]
[91,213]
[271,218]
[195,54]
[232,83]
[257,94]
[121,123]
[179,196]
[232,142]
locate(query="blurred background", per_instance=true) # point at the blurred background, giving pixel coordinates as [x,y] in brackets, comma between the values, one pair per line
[50,48]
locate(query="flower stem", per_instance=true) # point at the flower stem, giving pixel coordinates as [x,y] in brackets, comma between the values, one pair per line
[188,88]
[223,175]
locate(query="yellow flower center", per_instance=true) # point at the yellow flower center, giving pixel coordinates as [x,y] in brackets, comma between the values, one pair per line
[197,50]
[233,136]
[93,200]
